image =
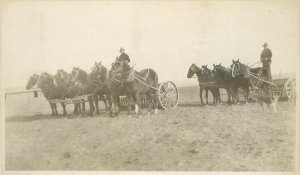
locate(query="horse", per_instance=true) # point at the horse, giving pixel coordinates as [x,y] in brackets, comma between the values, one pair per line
[194,69]
[89,87]
[135,84]
[50,91]
[242,75]
[224,80]
[69,89]
[207,76]
[117,88]
[242,79]
[32,81]
[99,75]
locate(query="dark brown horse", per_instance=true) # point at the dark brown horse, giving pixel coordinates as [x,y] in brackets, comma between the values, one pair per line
[243,78]
[223,79]
[68,88]
[90,86]
[194,69]
[32,81]
[134,84]
[208,76]
[51,91]
[99,76]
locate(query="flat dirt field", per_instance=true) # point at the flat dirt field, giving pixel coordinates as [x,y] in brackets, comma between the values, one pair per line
[190,137]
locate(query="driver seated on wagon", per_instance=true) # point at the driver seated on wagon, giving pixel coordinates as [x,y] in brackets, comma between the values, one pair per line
[124,61]
[124,58]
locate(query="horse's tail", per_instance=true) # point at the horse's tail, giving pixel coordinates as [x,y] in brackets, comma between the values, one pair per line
[155,78]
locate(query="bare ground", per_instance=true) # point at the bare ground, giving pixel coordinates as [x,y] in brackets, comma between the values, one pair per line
[191,137]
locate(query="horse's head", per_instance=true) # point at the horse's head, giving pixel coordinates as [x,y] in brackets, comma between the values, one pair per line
[59,75]
[238,69]
[218,69]
[96,70]
[206,73]
[75,74]
[45,79]
[235,63]
[32,81]
[192,70]
[62,77]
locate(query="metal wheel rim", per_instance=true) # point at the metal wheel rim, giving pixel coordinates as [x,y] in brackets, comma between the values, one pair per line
[168,95]
[290,89]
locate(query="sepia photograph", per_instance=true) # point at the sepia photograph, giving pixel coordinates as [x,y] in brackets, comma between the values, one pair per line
[135,86]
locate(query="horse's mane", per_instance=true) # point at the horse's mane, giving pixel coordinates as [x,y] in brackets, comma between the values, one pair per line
[198,72]
[207,75]
[224,73]
[244,71]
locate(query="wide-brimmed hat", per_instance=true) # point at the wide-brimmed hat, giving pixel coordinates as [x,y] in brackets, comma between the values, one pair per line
[265,44]
[121,49]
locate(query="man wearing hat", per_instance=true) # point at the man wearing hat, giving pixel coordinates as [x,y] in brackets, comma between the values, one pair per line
[123,57]
[265,58]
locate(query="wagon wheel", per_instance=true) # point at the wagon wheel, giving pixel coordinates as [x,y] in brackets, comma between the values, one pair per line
[168,95]
[290,89]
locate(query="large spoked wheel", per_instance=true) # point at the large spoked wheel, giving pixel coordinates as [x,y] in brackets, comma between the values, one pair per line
[290,89]
[168,95]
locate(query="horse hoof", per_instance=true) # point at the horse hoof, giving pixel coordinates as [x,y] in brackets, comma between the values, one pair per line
[156,111]
[129,116]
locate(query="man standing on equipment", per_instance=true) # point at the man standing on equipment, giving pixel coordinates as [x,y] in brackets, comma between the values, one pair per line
[265,58]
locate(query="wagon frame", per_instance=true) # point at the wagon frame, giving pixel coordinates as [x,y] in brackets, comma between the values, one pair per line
[282,87]
[167,94]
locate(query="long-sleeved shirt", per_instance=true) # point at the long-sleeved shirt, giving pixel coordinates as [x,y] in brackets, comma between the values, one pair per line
[124,57]
[266,54]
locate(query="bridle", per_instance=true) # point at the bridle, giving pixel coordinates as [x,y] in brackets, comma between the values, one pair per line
[236,69]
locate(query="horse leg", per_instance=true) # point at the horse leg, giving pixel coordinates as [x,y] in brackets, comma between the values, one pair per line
[206,95]
[229,96]
[218,96]
[215,95]
[247,94]
[51,106]
[106,102]
[129,98]
[200,94]
[75,109]
[79,108]
[116,100]
[55,109]
[137,103]
[156,102]
[149,97]
[83,106]
[64,109]
[91,103]
[108,98]
[234,93]
[96,104]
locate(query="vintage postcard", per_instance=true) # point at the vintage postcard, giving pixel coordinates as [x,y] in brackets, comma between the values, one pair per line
[200,87]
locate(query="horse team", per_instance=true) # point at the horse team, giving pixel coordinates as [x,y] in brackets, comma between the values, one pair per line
[230,79]
[98,85]
[122,80]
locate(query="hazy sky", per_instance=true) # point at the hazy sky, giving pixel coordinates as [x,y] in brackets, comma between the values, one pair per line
[165,36]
